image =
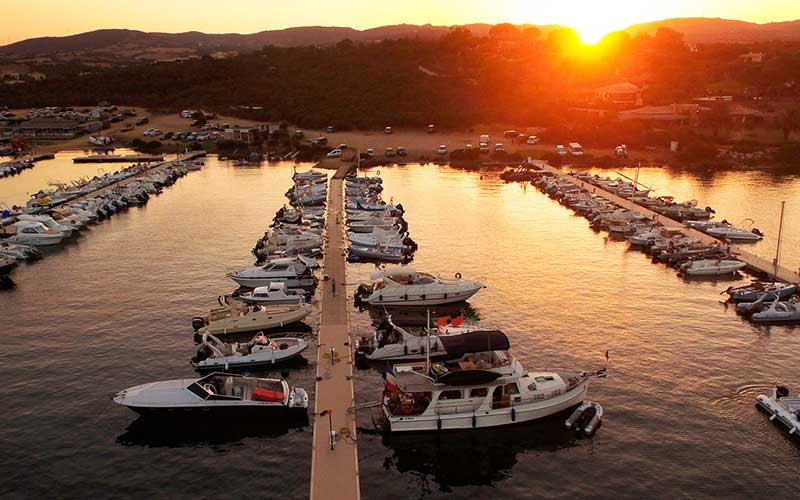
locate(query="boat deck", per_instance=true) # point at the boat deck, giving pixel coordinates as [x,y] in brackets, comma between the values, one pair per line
[334,473]
[753,261]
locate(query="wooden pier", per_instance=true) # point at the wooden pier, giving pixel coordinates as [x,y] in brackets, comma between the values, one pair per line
[118,159]
[334,468]
[757,264]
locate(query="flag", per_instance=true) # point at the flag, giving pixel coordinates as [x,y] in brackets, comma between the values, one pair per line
[606,355]
[390,386]
[326,412]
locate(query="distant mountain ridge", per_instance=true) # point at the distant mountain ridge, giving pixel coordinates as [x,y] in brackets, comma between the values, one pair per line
[122,42]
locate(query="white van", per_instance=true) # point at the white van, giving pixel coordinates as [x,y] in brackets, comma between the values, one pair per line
[575,149]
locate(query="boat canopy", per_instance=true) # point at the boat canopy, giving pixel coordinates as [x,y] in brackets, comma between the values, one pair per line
[479,341]
[406,274]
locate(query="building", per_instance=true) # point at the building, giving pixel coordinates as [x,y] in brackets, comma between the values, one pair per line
[673,114]
[620,94]
[752,57]
[239,134]
[48,128]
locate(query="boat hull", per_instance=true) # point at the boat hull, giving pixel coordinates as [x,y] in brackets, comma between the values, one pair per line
[380,299]
[248,282]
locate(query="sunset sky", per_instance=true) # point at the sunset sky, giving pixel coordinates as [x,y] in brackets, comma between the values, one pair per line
[32,18]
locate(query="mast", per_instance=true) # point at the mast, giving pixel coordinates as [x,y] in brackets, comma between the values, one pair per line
[428,341]
[778,248]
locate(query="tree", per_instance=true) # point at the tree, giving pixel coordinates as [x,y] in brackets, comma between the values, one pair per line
[718,116]
[504,31]
[531,34]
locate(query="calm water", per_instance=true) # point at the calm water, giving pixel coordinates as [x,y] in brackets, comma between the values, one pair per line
[112,310]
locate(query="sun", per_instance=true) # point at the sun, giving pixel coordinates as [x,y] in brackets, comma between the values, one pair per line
[592,33]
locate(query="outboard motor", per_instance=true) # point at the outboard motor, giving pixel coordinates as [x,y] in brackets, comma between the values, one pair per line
[710,210]
[198,322]
[782,391]
[203,352]
[758,232]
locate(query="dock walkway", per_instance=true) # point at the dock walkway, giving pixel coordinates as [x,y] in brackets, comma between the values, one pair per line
[753,261]
[334,473]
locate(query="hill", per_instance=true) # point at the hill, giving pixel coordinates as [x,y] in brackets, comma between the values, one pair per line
[700,30]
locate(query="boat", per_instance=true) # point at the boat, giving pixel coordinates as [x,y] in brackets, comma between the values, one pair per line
[386,254]
[295,272]
[218,395]
[782,408]
[734,234]
[18,251]
[751,292]
[393,343]
[401,286]
[711,267]
[260,351]
[239,318]
[586,418]
[413,401]
[36,234]
[49,223]
[778,312]
[272,294]
[7,264]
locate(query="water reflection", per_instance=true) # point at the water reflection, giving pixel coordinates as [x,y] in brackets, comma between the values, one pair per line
[480,457]
[156,433]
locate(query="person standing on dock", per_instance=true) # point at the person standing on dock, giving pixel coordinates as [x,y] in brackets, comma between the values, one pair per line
[333,286]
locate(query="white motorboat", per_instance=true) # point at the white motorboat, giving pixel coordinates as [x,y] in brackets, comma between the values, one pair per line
[734,234]
[751,292]
[239,318]
[274,293]
[778,312]
[217,394]
[782,408]
[260,351]
[380,238]
[412,401]
[50,223]
[369,225]
[295,272]
[385,254]
[401,286]
[712,267]
[36,234]
[18,251]
[393,343]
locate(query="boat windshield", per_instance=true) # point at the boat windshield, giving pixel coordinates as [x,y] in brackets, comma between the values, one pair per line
[230,387]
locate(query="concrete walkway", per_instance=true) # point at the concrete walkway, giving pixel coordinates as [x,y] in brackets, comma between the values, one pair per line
[334,473]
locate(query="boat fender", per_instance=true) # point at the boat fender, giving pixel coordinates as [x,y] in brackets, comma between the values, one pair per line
[438,423]
[474,421]
[405,349]
[458,276]
[445,295]
[794,429]
[405,297]
[422,296]
[513,415]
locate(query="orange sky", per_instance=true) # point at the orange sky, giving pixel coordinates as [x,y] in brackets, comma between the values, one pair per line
[22,19]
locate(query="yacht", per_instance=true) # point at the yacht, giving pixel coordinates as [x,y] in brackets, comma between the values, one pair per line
[405,287]
[260,351]
[478,397]
[295,272]
[239,318]
[50,223]
[274,293]
[36,234]
[217,394]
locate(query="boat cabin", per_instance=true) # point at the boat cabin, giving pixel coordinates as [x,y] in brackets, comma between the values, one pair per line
[225,386]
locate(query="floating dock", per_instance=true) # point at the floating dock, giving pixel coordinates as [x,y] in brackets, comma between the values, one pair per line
[118,159]
[757,264]
[334,468]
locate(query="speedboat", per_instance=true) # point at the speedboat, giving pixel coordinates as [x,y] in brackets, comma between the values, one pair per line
[712,267]
[779,312]
[751,292]
[217,394]
[36,234]
[386,254]
[734,234]
[260,351]
[19,252]
[393,343]
[50,223]
[274,293]
[413,401]
[295,272]
[239,318]
[782,408]
[405,287]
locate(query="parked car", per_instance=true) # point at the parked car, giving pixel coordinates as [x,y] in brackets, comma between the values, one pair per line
[621,151]
[335,153]
[401,151]
[484,139]
[483,148]
[143,121]
[371,153]
[510,134]
[342,146]
[330,129]
[441,150]
[389,152]
[499,147]
[387,130]
[320,141]
[561,150]
[532,139]
[168,136]
[431,129]
[468,147]
[575,149]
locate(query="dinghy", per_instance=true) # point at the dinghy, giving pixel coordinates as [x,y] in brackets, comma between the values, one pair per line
[711,267]
[782,409]
[779,312]
[260,351]
[586,418]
